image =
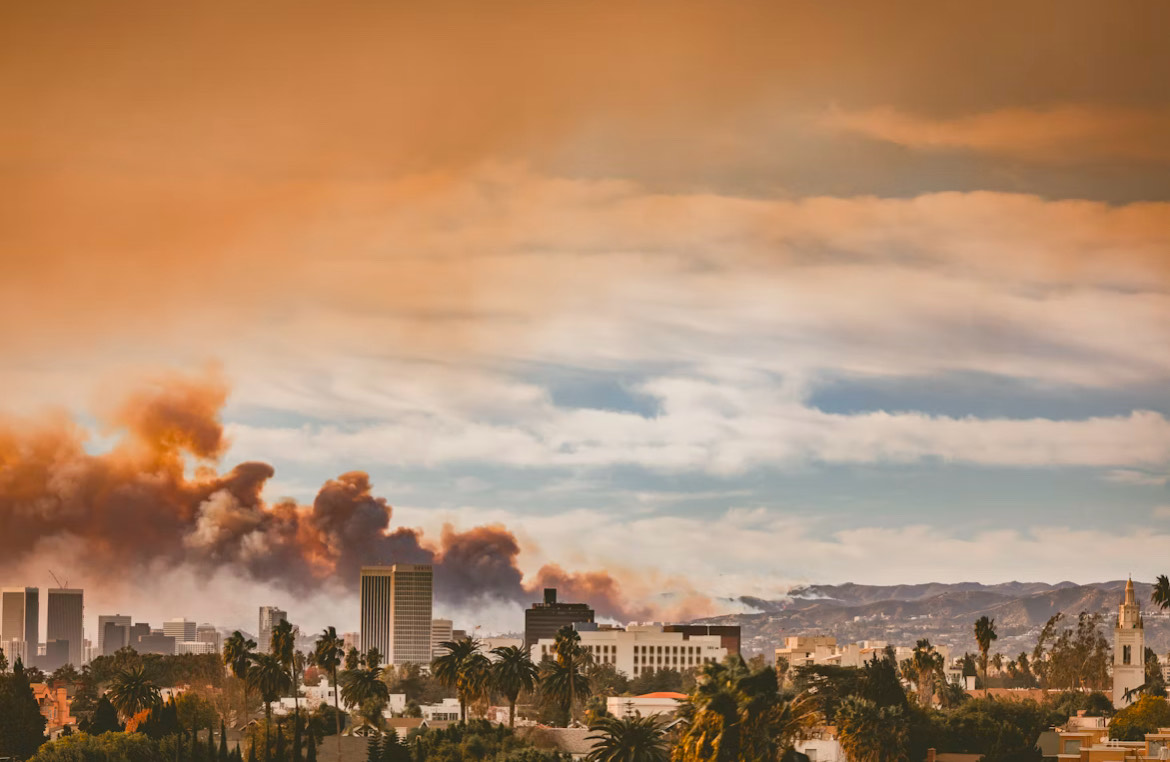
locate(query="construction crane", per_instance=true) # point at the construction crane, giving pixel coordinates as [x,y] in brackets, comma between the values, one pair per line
[60,584]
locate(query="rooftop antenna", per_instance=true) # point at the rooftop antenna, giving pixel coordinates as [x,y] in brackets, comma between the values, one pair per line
[60,584]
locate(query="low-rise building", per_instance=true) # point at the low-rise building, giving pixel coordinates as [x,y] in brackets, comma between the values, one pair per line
[641,648]
[662,702]
[446,710]
[54,706]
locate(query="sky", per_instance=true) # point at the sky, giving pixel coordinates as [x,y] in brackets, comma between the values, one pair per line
[711,298]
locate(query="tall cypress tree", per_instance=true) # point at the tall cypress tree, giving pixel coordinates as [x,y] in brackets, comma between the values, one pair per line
[223,749]
[195,754]
[279,755]
[310,746]
[373,750]
[252,752]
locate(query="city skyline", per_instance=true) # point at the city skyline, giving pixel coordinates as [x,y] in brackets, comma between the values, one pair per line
[660,307]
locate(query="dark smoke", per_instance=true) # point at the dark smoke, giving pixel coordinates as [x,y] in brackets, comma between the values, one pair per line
[134,505]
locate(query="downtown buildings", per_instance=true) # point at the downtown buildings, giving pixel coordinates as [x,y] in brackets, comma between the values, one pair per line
[64,628]
[270,616]
[542,620]
[20,622]
[396,605]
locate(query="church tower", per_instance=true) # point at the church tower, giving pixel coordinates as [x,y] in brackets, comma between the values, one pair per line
[1129,649]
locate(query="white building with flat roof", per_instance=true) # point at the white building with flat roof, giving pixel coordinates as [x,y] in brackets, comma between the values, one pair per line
[194,647]
[641,648]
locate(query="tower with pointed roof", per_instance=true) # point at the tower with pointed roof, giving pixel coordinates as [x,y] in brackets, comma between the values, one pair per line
[1129,649]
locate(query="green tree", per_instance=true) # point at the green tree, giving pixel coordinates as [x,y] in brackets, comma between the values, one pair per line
[924,668]
[132,691]
[1155,684]
[513,672]
[105,718]
[1145,715]
[373,750]
[737,714]
[984,634]
[1161,592]
[458,668]
[563,681]
[364,688]
[3,661]
[283,646]
[353,659]
[392,748]
[327,656]
[238,654]
[869,733]
[631,739]
[271,679]
[22,728]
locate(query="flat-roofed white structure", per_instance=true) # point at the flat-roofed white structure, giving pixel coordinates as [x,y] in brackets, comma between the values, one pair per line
[641,648]
[662,702]
[396,606]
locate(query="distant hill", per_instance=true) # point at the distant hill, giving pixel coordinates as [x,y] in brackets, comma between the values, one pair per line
[944,613]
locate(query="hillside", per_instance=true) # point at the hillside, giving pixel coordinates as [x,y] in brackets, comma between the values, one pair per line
[944,613]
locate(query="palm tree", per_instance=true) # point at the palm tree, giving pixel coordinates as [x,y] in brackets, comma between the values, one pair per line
[238,653]
[563,679]
[452,668]
[869,733]
[1161,593]
[924,666]
[513,672]
[273,681]
[984,634]
[327,656]
[131,691]
[735,714]
[364,688]
[283,645]
[628,739]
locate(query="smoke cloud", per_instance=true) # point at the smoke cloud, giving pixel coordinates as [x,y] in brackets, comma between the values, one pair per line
[135,505]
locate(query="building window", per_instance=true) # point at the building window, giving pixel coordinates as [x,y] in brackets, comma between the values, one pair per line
[1126,654]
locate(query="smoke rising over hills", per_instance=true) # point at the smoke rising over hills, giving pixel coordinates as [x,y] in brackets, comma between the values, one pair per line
[136,504]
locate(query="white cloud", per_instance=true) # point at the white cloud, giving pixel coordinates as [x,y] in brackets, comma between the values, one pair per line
[715,426]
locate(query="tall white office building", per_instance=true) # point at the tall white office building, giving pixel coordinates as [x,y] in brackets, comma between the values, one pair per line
[20,623]
[396,612]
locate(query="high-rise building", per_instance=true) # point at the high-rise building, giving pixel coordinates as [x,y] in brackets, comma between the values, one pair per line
[20,623]
[441,632]
[1129,650]
[182,630]
[139,630]
[206,633]
[66,613]
[542,620]
[155,642]
[56,655]
[396,611]
[270,616]
[116,626]
[352,640]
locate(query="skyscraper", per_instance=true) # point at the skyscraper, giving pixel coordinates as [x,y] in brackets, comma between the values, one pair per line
[180,629]
[66,612]
[20,623]
[441,632]
[113,633]
[396,611]
[270,616]
[206,633]
[542,620]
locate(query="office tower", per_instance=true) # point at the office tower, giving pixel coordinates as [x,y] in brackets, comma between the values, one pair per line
[542,620]
[138,630]
[20,623]
[155,642]
[66,612]
[206,633]
[354,640]
[119,626]
[182,630]
[56,655]
[441,630]
[270,616]
[396,612]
